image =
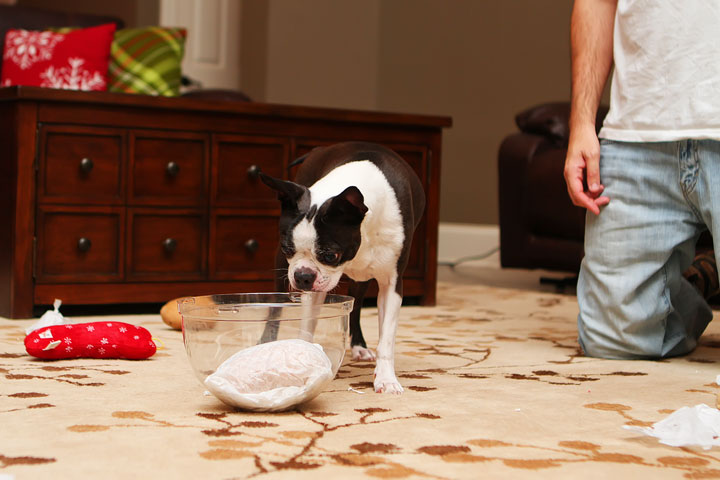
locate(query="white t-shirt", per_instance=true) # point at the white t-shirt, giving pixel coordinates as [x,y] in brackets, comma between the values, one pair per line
[666,83]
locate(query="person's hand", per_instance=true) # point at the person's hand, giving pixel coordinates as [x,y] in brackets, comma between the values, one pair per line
[582,167]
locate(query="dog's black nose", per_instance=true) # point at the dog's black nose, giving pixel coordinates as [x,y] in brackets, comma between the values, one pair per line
[304,278]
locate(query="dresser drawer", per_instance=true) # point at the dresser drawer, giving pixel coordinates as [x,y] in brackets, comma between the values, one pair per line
[238,159]
[79,244]
[168,168]
[242,247]
[81,165]
[166,244]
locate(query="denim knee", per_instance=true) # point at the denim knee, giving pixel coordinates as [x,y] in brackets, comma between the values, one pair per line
[619,319]
[603,344]
[599,345]
[627,328]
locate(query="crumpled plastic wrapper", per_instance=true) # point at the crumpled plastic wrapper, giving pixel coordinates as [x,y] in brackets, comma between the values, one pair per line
[50,318]
[687,426]
[272,376]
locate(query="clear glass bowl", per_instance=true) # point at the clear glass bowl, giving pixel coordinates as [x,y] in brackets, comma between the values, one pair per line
[216,327]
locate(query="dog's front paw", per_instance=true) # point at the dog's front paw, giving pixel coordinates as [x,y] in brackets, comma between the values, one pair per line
[390,386]
[362,354]
[385,379]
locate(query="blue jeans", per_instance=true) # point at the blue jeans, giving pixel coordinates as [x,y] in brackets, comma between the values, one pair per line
[633,299]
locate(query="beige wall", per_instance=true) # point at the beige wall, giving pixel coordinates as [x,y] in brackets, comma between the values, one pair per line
[479,61]
[323,52]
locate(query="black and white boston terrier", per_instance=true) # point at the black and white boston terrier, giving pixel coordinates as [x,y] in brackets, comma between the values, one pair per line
[352,210]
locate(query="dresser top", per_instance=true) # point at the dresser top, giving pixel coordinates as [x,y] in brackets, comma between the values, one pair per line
[37,94]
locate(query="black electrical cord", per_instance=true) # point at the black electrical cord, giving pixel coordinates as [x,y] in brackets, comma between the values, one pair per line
[469,258]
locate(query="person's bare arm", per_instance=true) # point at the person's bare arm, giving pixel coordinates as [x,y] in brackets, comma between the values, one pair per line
[591,40]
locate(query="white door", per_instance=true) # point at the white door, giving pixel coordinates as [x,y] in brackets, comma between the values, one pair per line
[212,49]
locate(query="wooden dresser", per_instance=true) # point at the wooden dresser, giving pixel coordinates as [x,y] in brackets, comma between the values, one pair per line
[109,198]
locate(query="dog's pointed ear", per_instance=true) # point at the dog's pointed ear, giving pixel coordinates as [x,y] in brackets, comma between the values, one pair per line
[289,193]
[348,206]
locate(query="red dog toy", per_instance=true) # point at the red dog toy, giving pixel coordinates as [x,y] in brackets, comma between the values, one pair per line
[91,340]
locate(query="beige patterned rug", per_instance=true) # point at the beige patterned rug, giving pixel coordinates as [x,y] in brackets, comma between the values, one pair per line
[494,387]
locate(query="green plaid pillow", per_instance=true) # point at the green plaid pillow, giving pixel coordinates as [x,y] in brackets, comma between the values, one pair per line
[147,60]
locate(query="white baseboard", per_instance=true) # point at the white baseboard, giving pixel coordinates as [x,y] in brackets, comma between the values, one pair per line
[458,240]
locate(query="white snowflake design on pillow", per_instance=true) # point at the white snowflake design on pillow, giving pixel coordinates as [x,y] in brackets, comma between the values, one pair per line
[73,77]
[24,48]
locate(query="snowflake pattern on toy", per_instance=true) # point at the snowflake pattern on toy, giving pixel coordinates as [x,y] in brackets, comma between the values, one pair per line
[74,77]
[25,48]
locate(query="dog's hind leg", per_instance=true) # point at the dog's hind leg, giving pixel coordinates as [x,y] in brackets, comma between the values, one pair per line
[357,341]
[389,303]
[270,333]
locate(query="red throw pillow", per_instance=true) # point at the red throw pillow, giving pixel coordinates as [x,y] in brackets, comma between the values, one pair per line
[91,340]
[77,60]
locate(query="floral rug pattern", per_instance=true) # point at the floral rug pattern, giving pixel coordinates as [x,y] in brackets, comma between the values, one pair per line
[495,386]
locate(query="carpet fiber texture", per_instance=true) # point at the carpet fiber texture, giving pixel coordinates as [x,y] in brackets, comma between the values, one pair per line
[495,387]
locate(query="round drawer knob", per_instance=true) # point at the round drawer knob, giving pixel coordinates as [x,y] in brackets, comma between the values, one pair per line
[169,244]
[84,244]
[86,165]
[253,171]
[252,245]
[172,169]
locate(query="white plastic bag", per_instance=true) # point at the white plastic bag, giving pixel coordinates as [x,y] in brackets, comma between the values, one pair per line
[698,425]
[272,376]
[49,318]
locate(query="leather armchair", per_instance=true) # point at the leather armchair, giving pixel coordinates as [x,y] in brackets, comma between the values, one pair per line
[539,225]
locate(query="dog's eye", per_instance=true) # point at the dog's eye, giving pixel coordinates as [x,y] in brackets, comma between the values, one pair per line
[330,258]
[287,250]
